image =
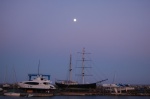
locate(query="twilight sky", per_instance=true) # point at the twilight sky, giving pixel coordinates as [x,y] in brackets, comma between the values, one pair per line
[115,32]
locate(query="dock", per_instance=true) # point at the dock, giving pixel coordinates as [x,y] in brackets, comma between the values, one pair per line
[139,90]
[36,94]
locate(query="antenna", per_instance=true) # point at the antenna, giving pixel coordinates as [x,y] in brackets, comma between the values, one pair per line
[6,75]
[39,68]
[114,78]
[15,74]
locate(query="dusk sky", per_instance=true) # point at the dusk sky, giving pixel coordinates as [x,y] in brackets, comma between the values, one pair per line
[115,32]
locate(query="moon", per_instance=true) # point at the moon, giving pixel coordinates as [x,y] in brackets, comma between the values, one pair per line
[74,20]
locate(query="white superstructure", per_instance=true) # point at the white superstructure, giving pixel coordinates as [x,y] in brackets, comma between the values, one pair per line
[6,85]
[117,88]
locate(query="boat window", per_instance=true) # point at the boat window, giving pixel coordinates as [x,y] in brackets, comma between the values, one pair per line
[46,83]
[41,78]
[32,83]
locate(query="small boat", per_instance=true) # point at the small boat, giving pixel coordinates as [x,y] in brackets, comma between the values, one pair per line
[118,88]
[11,94]
[6,85]
[30,95]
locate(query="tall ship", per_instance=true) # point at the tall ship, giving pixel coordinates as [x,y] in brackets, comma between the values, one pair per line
[69,84]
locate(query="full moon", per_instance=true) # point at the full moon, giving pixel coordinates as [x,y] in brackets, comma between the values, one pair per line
[74,20]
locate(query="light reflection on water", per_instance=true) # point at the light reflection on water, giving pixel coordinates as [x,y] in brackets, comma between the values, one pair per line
[80,97]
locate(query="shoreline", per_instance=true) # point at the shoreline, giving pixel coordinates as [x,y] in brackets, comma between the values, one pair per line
[76,94]
[99,91]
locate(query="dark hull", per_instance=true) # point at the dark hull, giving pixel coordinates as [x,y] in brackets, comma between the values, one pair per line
[76,86]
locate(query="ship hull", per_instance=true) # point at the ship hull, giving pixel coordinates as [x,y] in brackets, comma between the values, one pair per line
[76,86]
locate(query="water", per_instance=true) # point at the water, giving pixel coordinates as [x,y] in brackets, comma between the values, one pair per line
[80,97]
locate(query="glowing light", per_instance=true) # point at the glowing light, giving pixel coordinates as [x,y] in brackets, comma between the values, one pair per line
[74,20]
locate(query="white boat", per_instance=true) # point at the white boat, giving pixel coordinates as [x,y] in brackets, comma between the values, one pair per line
[11,94]
[29,95]
[117,88]
[6,85]
[38,83]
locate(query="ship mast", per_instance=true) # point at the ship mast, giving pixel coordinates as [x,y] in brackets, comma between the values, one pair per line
[83,65]
[39,68]
[70,68]
[83,59]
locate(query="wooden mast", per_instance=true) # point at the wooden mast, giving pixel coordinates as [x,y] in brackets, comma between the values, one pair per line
[70,68]
[83,65]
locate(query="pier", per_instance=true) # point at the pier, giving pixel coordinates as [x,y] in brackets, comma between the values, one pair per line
[96,92]
[139,90]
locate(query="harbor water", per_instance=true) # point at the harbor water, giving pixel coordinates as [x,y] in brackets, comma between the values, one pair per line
[80,97]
